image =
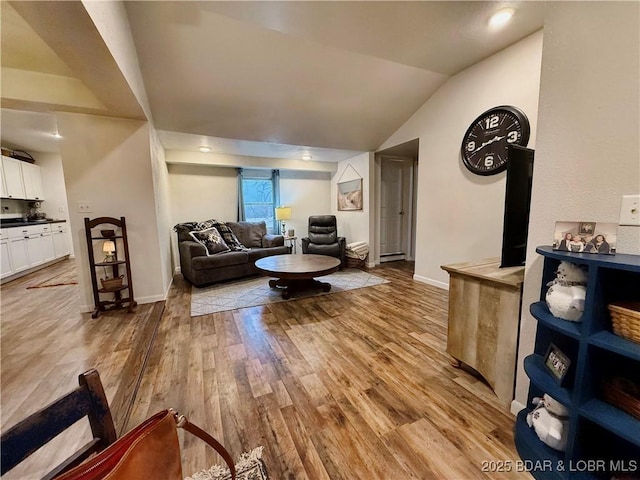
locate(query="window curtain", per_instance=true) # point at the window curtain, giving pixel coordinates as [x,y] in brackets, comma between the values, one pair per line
[241,216]
[275,181]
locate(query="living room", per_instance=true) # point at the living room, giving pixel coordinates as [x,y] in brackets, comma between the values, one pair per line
[576,79]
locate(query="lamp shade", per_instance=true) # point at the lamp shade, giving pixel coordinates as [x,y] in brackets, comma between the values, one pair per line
[108,246]
[283,213]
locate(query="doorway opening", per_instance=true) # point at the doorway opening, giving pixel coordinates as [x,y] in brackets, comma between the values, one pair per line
[396,178]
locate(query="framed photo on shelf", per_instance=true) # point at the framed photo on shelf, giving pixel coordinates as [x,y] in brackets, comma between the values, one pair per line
[586,237]
[557,363]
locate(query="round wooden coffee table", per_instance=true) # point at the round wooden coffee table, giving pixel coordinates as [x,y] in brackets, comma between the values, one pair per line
[295,273]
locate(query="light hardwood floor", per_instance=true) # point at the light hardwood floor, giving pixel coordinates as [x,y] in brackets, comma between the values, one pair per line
[350,385]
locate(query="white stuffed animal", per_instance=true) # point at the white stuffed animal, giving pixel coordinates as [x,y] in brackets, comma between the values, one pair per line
[566,296]
[550,420]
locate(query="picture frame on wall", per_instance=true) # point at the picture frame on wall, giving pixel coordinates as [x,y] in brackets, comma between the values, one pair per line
[557,364]
[350,195]
[586,237]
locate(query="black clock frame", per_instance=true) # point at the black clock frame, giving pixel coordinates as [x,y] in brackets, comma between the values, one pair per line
[523,123]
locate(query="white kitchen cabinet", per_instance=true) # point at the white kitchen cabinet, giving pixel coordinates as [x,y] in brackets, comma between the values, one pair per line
[18,248]
[13,178]
[33,186]
[6,266]
[60,239]
[48,251]
[26,247]
[3,183]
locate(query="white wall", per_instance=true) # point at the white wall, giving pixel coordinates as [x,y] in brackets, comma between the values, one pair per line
[162,194]
[307,193]
[588,147]
[459,215]
[354,225]
[107,162]
[55,192]
[199,193]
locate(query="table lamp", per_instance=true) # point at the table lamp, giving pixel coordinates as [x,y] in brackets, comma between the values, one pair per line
[282,214]
[109,248]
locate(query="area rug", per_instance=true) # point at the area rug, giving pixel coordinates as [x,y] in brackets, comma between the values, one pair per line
[249,466]
[256,291]
[67,277]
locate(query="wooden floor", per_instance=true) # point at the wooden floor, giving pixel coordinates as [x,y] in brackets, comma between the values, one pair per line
[351,385]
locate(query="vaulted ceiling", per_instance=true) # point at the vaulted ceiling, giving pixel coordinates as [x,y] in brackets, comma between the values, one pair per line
[320,76]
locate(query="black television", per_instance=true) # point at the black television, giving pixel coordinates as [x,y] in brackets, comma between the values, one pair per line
[517,203]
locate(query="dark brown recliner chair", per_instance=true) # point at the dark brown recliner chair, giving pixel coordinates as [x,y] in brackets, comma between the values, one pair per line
[323,238]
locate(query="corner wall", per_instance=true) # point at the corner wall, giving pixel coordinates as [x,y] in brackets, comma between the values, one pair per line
[107,163]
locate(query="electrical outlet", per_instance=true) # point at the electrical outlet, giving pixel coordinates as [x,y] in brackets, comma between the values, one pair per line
[630,210]
[84,207]
[60,209]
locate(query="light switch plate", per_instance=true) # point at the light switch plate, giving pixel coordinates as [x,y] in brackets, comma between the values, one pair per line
[630,210]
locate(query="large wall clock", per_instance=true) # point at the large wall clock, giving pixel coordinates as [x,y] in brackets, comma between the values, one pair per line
[484,146]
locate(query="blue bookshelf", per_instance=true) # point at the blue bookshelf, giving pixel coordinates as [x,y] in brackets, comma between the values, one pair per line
[597,429]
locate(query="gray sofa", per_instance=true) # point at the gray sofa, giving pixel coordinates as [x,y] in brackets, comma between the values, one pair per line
[202,269]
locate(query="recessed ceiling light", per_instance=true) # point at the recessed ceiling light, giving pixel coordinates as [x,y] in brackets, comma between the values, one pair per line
[204,149]
[306,156]
[501,17]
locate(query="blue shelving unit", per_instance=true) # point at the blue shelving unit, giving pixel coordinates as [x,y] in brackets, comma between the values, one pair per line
[598,431]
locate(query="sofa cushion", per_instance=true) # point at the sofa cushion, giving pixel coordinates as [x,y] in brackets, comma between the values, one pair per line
[211,239]
[227,234]
[249,233]
[218,261]
[258,253]
[183,230]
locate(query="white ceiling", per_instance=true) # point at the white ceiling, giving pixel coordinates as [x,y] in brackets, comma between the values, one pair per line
[270,79]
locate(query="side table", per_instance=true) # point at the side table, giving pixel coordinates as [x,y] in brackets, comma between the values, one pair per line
[291,243]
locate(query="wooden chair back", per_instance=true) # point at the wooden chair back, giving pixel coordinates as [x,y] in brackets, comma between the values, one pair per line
[89,400]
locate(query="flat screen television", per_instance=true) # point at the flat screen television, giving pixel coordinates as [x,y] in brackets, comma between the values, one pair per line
[517,203]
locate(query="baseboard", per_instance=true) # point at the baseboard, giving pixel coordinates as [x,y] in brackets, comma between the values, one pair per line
[516,407]
[139,301]
[392,257]
[429,281]
[151,299]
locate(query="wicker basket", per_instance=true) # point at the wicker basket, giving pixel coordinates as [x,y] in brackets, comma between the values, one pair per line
[625,319]
[622,393]
[112,283]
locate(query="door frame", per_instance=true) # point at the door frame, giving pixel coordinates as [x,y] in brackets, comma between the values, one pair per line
[409,223]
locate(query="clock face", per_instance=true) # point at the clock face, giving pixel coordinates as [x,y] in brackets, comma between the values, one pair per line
[484,146]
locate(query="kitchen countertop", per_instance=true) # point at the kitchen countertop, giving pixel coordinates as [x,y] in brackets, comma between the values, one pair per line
[10,223]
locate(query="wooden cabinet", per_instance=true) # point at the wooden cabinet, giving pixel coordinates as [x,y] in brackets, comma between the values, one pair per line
[604,441]
[13,178]
[33,186]
[109,294]
[484,320]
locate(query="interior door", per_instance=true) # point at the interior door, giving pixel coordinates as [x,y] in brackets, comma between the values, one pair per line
[391,209]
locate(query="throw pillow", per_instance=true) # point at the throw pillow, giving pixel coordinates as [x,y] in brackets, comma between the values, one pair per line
[227,234]
[211,240]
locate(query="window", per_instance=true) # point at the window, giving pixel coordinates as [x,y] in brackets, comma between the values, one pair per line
[259,197]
